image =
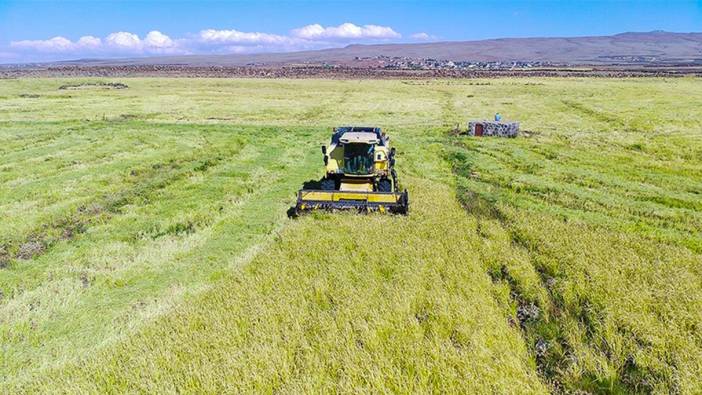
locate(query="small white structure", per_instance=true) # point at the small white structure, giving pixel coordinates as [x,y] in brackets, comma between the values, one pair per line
[493,128]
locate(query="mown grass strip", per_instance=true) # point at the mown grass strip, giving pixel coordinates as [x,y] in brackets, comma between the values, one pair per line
[128,269]
[140,183]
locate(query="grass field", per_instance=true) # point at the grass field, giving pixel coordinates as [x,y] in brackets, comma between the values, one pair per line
[144,242]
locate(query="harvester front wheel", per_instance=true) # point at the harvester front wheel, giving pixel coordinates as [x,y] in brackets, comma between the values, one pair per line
[384,185]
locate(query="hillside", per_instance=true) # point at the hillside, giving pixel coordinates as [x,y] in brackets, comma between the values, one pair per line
[627,48]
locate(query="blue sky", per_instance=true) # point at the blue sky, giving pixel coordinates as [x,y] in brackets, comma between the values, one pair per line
[52,30]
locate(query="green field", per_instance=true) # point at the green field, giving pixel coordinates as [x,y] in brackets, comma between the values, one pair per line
[145,246]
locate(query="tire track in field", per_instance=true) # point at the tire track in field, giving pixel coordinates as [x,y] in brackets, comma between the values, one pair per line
[145,180]
[101,148]
[611,120]
[313,113]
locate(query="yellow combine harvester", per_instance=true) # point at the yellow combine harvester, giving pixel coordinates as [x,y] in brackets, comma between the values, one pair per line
[360,175]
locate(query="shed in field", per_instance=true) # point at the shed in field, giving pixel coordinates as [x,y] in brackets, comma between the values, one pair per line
[493,128]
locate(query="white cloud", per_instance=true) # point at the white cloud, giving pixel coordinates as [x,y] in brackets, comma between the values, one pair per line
[118,43]
[422,36]
[123,43]
[159,43]
[237,37]
[89,42]
[156,39]
[55,44]
[345,31]
[58,44]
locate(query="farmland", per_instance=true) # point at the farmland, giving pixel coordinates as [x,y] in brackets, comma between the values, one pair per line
[144,241]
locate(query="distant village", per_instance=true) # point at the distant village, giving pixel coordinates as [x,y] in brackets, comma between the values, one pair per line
[407,63]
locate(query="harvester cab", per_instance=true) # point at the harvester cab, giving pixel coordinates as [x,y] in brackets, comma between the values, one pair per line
[360,174]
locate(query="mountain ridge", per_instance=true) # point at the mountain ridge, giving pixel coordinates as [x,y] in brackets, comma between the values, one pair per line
[654,47]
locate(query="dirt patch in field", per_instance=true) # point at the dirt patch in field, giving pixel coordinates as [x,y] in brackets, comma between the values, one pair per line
[94,85]
[4,257]
[30,249]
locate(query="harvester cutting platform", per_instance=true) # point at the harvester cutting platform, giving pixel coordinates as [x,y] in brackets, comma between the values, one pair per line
[360,174]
